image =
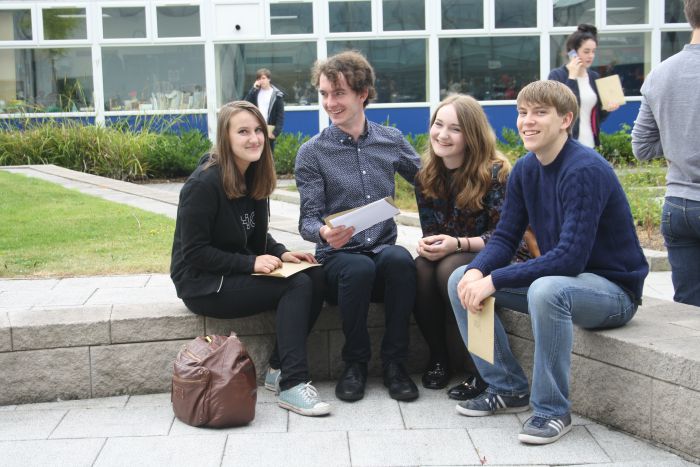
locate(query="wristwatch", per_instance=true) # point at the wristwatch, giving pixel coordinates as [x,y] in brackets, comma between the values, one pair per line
[459,245]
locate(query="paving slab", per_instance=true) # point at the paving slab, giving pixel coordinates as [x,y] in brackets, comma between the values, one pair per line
[98,282]
[27,285]
[162,450]
[378,414]
[113,422]
[54,453]
[149,400]
[499,446]
[21,425]
[5,332]
[441,413]
[621,447]
[130,295]
[100,402]
[413,447]
[288,449]
[63,327]
[269,418]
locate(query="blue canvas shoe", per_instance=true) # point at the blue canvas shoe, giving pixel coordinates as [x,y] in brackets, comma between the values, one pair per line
[303,399]
[272,380]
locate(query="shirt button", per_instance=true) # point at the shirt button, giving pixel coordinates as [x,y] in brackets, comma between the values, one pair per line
[364,172]
[369,239]
[358,149]
[367,196]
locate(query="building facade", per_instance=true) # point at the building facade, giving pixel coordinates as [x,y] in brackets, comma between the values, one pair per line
[105,61]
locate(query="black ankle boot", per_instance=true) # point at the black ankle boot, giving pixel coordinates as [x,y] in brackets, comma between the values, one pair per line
[436,375]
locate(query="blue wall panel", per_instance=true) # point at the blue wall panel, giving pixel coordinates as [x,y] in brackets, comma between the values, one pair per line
[301,121]
[20,123]
[501,116]
[625,114]
[175,123]
[409,120]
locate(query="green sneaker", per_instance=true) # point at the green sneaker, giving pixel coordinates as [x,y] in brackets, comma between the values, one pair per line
[272,380]
[303,399]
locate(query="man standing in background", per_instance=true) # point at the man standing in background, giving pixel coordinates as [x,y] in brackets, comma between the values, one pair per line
[269,100]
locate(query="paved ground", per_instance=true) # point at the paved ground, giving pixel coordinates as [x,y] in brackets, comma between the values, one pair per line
[141,430]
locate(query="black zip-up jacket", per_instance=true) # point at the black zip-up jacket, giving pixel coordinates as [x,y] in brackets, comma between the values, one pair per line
[561,74]
[275,113]
[210,241]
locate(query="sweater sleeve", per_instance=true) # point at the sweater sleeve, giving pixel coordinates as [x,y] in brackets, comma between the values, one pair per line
[583,195]
[197,213]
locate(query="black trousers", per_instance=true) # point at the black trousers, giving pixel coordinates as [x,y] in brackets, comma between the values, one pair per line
[297,299]
[356,279]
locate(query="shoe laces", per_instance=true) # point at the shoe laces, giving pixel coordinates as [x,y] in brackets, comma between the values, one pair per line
[538,422]
[309,393]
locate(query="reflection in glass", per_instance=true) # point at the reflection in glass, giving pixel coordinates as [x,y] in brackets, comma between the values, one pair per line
[403,15]
[488,68]
[291,18]
[673,11]
[627,55]
[15,25]
[64,23]
[350,16]
[167,77]
[289,62]
[516,13]
[462,14]
[573,12]
[178,21]
[399,65]
[673,42]
[46,80]
[627,12]
[123,22]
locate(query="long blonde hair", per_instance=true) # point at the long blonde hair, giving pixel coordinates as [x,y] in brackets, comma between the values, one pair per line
[259,180]
[472,179]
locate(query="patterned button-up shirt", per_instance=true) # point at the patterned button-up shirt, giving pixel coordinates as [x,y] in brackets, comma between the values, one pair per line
[335,173]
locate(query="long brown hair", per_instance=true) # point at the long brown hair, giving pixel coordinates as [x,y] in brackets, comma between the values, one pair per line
[471,180]
[259,180]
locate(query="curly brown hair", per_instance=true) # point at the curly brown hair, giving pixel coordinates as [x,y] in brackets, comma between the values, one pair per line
[259,180]
[472,180]
[357,71]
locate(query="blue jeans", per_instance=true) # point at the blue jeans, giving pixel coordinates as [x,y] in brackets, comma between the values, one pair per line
[680,226]
[555,304]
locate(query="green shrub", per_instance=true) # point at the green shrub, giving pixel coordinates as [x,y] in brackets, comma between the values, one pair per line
[511,145]
[286,148]
[173,155]
[616,147]
[419,141]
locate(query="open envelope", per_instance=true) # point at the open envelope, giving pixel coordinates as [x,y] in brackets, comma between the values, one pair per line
[480,331]
[610,91]
[365,216]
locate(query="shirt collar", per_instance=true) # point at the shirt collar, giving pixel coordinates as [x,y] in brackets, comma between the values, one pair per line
[344,138]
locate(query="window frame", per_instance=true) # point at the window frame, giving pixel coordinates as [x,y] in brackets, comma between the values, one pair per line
[315,22]
[172,40]
[58,43]
[123,40]
[33,13]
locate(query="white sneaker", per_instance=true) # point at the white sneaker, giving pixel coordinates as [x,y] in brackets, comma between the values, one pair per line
[303,399]
[272,380]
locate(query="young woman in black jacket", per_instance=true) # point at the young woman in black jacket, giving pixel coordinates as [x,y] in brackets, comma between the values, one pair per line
[221,239]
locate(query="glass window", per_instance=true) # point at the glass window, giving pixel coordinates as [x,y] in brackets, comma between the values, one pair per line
[673,42]
[625,54]
[488,68]
[64,23]
[289,62]
[15,25]
[557,51]
[573,12]
[673,12]
[462,14]
[167,77]
[403,15]
[627,12]
[516,13]
[178,21]
[350,16]
[46,80]
[399,65]
[291,18]
[123,23]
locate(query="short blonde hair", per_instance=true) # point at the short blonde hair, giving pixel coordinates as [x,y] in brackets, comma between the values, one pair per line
[551,94]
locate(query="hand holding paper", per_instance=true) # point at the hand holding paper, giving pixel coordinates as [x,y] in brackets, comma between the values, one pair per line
[610,91]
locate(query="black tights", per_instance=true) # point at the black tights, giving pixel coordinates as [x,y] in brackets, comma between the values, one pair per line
[433,303]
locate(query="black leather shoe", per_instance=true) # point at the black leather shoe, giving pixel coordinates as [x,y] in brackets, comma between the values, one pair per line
[351,386]
[436,376]
[467,389]
[401,386]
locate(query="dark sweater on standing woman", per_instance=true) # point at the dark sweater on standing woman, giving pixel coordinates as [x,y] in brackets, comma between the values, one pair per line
[580,216]
[210,238]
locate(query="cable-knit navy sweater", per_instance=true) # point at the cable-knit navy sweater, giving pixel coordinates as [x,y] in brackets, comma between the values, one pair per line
[580,216]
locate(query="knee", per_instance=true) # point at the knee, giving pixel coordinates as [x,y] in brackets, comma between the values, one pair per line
[359,271]
[398,258]
[454,279]
[545,296]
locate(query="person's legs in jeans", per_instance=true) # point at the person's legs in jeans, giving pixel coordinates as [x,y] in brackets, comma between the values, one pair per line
[246,295]
[680,226]
[396,281]
[505,376]
[349,282]
[555,304]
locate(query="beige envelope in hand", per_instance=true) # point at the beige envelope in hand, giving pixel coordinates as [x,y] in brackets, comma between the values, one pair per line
[480,331]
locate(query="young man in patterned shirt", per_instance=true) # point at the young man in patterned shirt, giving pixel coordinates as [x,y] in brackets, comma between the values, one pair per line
[349,164]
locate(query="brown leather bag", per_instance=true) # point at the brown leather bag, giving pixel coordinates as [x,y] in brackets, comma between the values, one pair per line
[214,383]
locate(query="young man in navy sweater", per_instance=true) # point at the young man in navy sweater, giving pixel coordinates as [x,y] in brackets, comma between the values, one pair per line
[591,271]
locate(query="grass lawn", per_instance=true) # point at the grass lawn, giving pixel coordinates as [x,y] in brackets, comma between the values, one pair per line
[49,231]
